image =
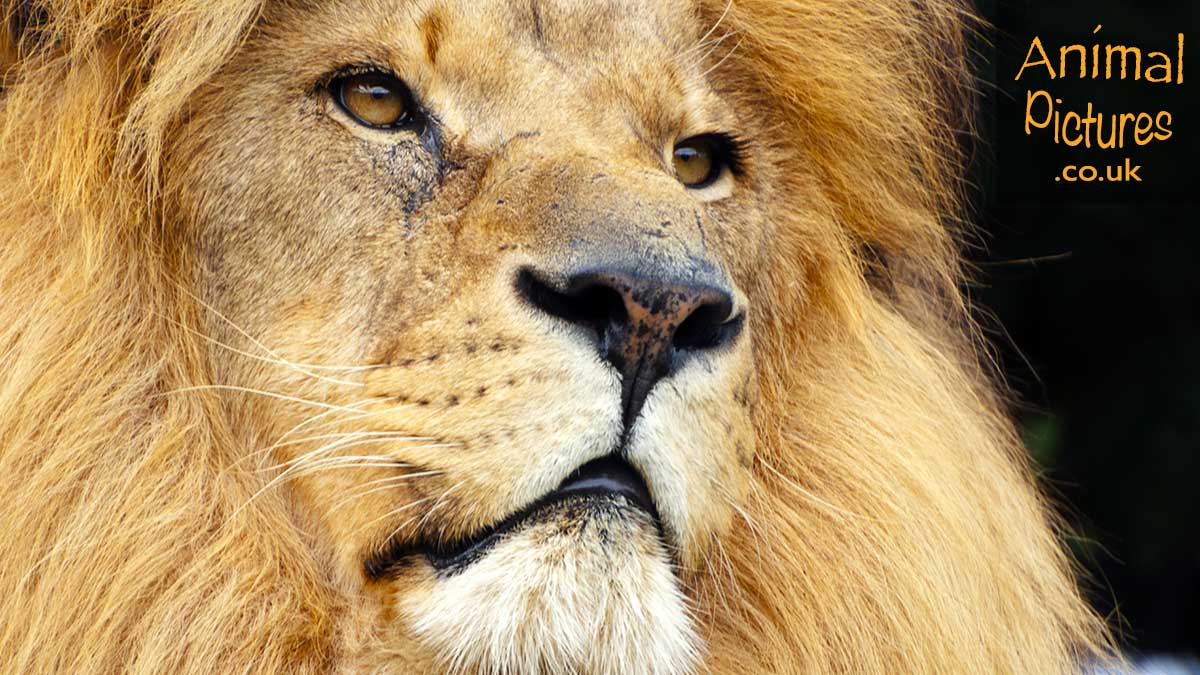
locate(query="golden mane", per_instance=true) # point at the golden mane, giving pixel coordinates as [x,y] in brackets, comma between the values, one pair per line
[877,547]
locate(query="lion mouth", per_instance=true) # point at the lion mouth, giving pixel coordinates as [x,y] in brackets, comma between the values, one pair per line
[609,479]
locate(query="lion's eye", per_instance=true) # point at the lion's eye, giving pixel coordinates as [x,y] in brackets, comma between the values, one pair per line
[374,99]
[699,161]
[695,162]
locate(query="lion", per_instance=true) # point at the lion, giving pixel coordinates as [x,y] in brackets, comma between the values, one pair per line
[505,336]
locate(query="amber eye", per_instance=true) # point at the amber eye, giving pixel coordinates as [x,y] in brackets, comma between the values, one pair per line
[699,161]
[374,99]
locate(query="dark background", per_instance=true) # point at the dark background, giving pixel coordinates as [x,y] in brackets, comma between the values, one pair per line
[1091,292]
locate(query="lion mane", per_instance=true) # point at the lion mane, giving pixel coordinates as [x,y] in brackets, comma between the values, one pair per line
[895,524]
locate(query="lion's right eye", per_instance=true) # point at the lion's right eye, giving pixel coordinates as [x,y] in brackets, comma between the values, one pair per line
[700,161]
[696,163]
[375,100]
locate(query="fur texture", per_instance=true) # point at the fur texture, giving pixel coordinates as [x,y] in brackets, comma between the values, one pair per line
[240,336]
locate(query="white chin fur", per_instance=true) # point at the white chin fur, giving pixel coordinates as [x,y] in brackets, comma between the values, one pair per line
[589,590]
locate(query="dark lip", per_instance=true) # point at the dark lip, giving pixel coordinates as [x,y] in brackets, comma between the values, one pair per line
[603,479]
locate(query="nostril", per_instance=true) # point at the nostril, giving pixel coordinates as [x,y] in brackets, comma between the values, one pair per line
[708,327]
[542,296]
[592,305]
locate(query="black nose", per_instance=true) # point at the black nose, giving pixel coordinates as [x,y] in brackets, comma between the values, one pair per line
[643,323]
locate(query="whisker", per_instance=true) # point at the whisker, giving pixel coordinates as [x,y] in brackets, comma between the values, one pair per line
[441,501]
[260,392]
[433,509]
[760,539]
[307,421]
[345,461]
[322,464]
[255,341]
[361,434]
[720,20]
[750,522]
[312,463]
[328,464]
[348,439]
[395,512]
[725,58]
[731,576]
[693,54]
[315,465]
[357,460]
[280,442]
[384,484]
[712,46]
[300,368]
[358,415]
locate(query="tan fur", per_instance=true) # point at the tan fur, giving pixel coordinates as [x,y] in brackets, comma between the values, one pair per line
[245,344]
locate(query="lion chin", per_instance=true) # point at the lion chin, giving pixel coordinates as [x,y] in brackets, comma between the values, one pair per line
[581,580]
[593,586]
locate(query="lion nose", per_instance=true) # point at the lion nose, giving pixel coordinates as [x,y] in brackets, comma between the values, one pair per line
[644,324]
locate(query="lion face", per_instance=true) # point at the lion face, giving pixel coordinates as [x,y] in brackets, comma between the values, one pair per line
[503,257]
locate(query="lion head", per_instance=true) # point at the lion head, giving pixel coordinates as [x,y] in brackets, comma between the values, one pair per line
[500,336]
